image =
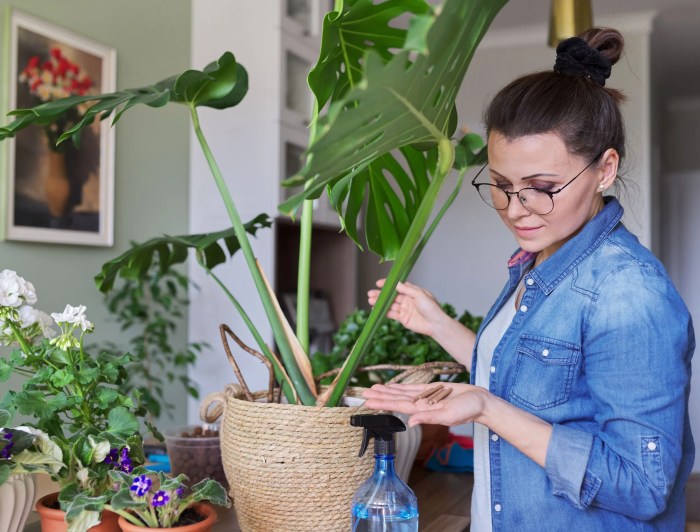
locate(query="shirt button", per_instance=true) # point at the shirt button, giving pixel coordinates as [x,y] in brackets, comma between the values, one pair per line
[494,437]
[530,282]
[493,369]
[545,353]
[497,507]
[651,446]
[523,308]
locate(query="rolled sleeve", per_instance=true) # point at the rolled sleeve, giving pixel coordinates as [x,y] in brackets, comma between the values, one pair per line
[566,465]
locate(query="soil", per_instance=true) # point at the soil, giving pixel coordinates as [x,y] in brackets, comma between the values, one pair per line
[199,432]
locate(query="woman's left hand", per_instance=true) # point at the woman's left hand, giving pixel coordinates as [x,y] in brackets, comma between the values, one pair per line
[464,404]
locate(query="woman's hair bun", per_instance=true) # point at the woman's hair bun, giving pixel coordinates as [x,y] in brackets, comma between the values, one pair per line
[608,41]
[590,55]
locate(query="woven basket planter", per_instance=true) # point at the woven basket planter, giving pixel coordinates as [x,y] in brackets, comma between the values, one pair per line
[291,467]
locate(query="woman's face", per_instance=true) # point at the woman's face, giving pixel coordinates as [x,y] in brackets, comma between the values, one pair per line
[543,162]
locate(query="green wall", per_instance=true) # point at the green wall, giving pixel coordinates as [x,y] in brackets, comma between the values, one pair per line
[152,40]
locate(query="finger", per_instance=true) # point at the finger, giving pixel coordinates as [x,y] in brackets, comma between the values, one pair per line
[411,290]
[392,405]
[380,282]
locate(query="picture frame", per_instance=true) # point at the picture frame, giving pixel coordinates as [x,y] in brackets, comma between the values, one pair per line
[59,195]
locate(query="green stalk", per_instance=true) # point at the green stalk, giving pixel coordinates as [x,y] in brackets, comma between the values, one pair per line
[298,382]
[304,272]
[399,270]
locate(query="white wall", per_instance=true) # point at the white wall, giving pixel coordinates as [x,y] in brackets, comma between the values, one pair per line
[681,220]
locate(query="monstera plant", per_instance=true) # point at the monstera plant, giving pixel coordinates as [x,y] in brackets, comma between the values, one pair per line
[380,146]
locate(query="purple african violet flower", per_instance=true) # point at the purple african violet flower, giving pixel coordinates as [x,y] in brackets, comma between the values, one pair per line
[5,453]
[112,457]
[180,492]
[141,485]
[126,465]
[161,498]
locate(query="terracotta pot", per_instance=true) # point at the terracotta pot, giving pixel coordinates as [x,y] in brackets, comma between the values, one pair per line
[16,499]
[205,525]
[53,520]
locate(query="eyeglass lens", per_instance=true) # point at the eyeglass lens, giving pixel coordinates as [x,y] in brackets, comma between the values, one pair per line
[533,200]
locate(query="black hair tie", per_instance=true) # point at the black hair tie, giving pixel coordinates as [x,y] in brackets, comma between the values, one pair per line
[576,58]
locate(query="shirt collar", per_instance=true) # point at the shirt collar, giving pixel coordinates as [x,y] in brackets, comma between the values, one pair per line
[555,269]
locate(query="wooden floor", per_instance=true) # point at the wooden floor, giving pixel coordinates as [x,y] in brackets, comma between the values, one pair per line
[441,495]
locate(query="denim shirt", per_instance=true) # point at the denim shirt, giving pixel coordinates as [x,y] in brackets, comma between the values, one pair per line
[600,348]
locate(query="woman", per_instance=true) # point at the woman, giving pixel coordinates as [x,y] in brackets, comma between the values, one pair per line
[581,370]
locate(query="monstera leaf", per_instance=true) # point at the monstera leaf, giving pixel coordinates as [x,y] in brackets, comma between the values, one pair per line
[406,100]
[172,250]
[395,103]
[359,25]
[220,85]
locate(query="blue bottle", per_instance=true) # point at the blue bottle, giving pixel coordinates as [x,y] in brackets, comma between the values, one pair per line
[384,503]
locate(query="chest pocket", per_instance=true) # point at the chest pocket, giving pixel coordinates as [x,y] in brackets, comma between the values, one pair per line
[544,371]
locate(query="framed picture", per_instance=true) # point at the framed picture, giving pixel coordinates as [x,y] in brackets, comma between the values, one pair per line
[59,194]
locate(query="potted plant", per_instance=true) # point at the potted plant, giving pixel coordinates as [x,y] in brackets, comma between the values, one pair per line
[145,499]
[384,113]
[81,423]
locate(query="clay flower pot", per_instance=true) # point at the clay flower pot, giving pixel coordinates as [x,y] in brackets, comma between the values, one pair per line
[54,520]
[202,508]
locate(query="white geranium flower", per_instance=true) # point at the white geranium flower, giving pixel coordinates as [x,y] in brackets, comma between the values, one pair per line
[28,316]
[28,291]
[73,315]
[45,322]
[100,450]
[10,290]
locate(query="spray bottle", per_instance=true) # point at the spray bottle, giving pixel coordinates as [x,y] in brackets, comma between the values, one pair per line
[383,502]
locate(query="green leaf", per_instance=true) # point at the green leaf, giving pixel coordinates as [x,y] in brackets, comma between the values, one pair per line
[5,471]
[212,491]
[5,371]
[397,103]
[123,500]
[61,378]
[4,418]
[347,35]
[220,85]
[122,423]
[135,263]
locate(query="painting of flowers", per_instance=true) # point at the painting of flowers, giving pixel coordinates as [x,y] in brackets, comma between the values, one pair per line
[59,193]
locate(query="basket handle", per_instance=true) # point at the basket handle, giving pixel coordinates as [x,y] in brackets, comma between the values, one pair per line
[226,330]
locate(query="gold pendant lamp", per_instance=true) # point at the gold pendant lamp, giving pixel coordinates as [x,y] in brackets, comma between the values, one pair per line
[568,18]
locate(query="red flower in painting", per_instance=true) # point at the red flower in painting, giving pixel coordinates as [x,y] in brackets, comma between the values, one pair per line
[57,77]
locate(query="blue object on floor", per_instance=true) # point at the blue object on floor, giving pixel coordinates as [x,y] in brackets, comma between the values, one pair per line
[456,456]
[158,462]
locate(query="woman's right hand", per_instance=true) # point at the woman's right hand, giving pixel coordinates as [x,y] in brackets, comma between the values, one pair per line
[414,307]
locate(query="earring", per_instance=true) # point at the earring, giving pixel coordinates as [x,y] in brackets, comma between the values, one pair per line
[601,186]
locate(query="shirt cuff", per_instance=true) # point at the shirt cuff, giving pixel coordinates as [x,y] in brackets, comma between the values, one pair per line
[567,458]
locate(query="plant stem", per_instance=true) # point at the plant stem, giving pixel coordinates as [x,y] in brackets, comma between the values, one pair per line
[399,270]
[290,364]
[126,515]
[304,271]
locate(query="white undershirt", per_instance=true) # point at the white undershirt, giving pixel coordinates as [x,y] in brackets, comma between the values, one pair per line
[481,496]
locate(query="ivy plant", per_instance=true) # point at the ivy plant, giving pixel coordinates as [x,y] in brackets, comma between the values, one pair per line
[392,344]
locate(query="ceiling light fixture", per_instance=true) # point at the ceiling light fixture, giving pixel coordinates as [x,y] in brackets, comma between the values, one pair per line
[569,18]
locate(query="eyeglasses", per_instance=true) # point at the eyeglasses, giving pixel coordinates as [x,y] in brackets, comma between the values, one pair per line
[535,200]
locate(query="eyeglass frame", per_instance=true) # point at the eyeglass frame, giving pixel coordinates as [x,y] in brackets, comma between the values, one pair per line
[517,192]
